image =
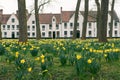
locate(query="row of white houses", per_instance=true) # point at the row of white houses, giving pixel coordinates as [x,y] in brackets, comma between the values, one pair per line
[55,25]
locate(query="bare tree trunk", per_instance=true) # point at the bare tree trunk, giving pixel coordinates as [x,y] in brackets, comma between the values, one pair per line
[38,32]
[103,21]
[0,32]
[85,20]
[76,19]
[111,24]
[98,16]
[22,21]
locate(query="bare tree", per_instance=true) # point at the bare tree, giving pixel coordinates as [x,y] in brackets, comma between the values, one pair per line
[103,21]
[37,8]
[85,19]
[76,19]
[38,32]
[22,21]
[111,24]
[0,32]
[98,16]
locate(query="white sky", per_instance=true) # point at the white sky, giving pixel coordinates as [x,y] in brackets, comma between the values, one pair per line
[10,6]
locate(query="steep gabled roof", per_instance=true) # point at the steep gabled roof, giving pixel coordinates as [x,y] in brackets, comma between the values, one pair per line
[4,18]
[66,15]
[46,18]
[91,15]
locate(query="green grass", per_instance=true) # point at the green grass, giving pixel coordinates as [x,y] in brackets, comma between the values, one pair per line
[108,71]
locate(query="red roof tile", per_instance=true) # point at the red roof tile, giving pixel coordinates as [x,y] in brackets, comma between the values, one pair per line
[4,18]
[46,18]
[66,15]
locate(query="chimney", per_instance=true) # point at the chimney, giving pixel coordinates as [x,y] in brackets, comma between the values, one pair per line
[61,9]
[1,11]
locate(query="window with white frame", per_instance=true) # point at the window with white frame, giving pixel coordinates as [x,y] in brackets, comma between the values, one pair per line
[71,25]
[53,19]
[65,33]
[33,28]
[28,28]
[13,27]
[12,20]
[116,32]
[43,28]
[50,26]
[57,26]
[8,27]
[5,34]
[65,25]
[43,34]
[49,34]
[89,25]
[4,27]
[90,33]
[29,34]
[71,33]
[33,34]
[33,22]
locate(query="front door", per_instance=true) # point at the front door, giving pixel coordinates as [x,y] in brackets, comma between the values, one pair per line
[78,34]
[13,35]
[53,34]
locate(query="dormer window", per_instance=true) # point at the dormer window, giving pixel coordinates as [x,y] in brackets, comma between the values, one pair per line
[53,20]
[33,22]
[13,20]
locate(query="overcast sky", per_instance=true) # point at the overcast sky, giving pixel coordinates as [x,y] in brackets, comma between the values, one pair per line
[10,6]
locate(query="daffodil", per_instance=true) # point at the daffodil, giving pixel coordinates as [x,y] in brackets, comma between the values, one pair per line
[29,69]
[42,56]
[42,60]
[105,55]
[16,54]
[24,48]
[78,57]
[89,61]
[22,61]
[91,50]
[37,59]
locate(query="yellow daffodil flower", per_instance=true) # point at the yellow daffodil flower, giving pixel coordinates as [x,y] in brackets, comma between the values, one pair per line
[78,57]
[42,60]
[22,61]
[89,61]
[42,56]
[37,59]
[29,69]
[16,54]
[105,55]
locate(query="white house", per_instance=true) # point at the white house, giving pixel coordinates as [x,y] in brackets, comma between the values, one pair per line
[56,25]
